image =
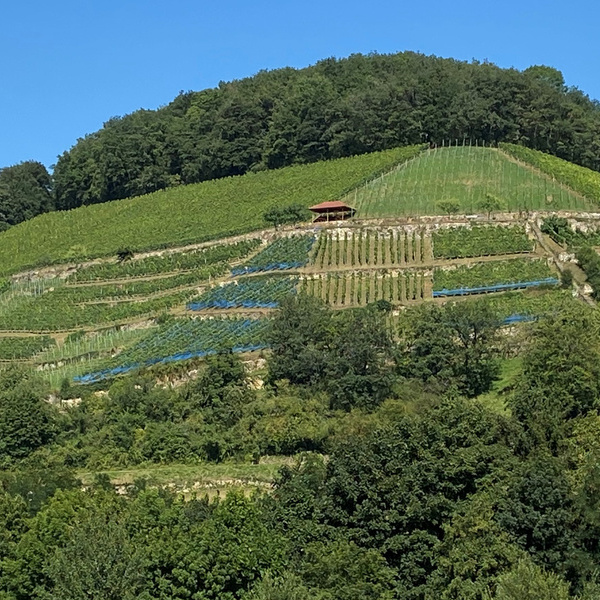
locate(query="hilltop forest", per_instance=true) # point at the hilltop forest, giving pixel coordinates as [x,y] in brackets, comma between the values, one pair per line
[333,109]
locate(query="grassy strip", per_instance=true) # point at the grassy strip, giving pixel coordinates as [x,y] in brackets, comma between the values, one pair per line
[183,475]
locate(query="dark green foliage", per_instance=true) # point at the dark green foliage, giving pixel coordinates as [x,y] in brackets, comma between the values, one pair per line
[283,215]
[348,355]
[417,493]
[359,368]
[25,191]
[394,489]
[335,108]
[26,421]
[98,561]
[589,260]
[561,374]
[452,345]
[298,337]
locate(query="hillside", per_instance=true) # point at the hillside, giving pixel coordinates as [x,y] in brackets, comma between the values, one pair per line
[93,321]
[186,214]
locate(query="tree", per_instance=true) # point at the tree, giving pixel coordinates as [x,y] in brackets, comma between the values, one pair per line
[490,204]
[283,215]
[99,561]
[25,191]
[26,420]
[359,371]
[561,374]
[527,581]
[450,207]
[453,344]
[299,336]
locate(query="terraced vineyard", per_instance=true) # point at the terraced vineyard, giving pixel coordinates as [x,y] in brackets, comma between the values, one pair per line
[186,214]
[166,263]
[184,339]
[344,290]
[283,254]
[464,242]
[250,292]
[480,277]
[353,247]
[462,179]
[108,311]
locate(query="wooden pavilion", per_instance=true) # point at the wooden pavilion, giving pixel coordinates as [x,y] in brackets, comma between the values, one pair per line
[332,211]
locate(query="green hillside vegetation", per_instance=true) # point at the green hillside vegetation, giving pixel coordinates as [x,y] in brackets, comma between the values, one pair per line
[185,215]
[463,179]
[584,181]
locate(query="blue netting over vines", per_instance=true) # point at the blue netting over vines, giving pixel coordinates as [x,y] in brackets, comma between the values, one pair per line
[283,254]
[501,287]
[254,292]
[185,339]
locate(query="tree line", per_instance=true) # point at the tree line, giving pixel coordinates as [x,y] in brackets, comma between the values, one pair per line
[336,108]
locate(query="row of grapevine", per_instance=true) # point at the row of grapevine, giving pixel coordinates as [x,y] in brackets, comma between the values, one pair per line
[499,275]
[581,179]
[51,312]
[284,253]
[463,242]
[462,180]
[135,290]
[14,348]
[93,344]
[531,304]
[166,263]
[183,339]
[250,292]
[369,247]
[359,289]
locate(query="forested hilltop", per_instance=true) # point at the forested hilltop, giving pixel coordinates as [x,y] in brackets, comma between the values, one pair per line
[333,109]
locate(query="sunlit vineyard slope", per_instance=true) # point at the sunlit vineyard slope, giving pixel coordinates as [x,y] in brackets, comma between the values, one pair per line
[186,214]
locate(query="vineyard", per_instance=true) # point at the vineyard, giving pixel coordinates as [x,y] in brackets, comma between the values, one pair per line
[15,348]
[55,311]
[480,277]
[464,242]
[184,339]
[285,253]
[370,247]
[250,292]
[584,181]
[185,214]
[110,309]
[80,346]
[344,290]
[462,179]
[166,263]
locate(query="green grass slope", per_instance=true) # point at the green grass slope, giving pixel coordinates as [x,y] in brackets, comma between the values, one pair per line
[187,214]
[465,178]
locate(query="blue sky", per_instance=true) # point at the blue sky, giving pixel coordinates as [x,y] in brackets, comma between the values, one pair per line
[69,65]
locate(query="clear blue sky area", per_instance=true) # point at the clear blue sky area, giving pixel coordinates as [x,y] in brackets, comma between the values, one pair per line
[68,66]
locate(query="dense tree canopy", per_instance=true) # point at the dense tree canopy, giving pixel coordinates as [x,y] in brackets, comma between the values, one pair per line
[25,191]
